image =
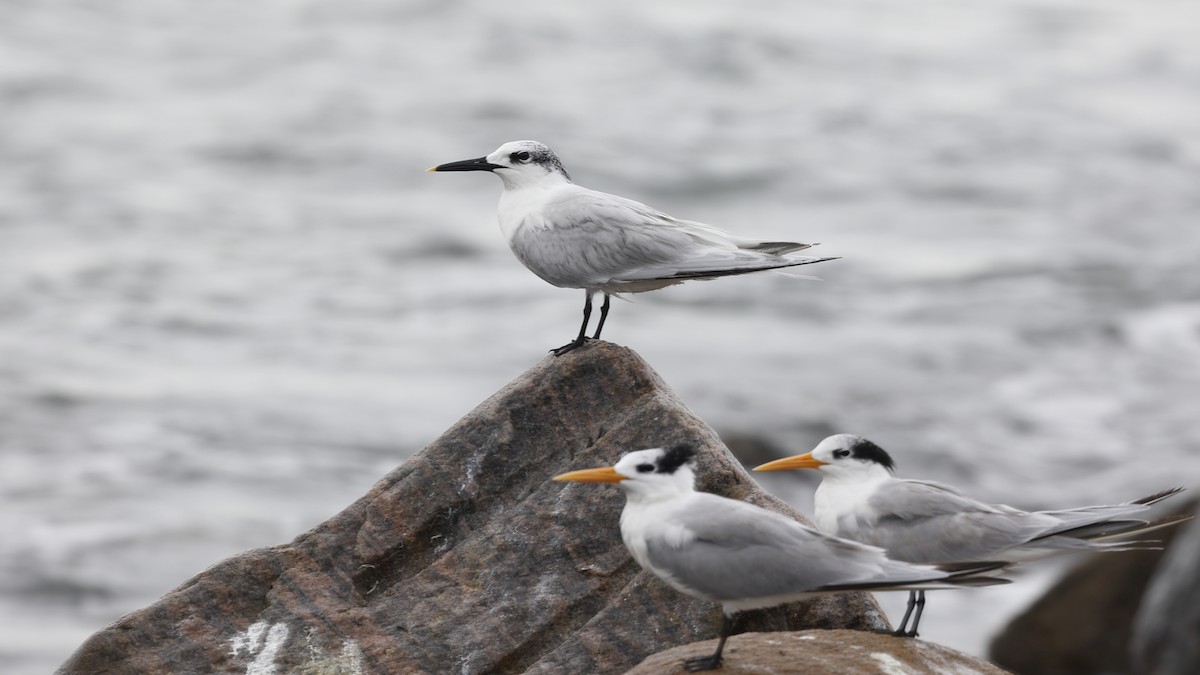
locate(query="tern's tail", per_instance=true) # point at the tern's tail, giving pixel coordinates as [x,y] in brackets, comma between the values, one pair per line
[966,569]
[776,247]
[745,268]
[1088,523]
[972,573]
[957,574]
[1158,496]
[1114,534]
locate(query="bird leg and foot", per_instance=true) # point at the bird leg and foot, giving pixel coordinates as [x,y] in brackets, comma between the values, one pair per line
[582,338]
[603,316]
[698,663]
[915,599]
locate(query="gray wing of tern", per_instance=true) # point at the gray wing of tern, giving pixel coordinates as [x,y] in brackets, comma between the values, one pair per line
[734,551]
[588,238]
[923,521]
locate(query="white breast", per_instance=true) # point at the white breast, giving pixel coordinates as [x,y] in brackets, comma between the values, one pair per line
[522,208]
[840,507]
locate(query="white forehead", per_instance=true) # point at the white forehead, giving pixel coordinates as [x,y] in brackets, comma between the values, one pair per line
[631,460]
[838,442]
[532,147]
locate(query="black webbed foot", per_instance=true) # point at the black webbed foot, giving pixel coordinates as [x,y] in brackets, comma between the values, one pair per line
[574,344]
[698,663]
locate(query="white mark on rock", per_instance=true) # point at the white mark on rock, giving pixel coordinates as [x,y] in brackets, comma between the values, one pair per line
[248,640]
[890,665]
[349,661]
[806,637]
[252,642]
[352,657]
[264,663]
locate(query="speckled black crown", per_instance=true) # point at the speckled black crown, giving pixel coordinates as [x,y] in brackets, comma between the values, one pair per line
[546,157]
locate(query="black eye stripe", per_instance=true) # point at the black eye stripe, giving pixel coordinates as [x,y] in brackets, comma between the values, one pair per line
[645,468]
[841,453]
[522,156]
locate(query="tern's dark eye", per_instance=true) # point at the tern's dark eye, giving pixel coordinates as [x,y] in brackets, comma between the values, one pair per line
[841,453]
[522,156]
[645,468]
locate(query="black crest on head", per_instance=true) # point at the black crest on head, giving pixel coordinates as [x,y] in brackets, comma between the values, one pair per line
[675,457]
[864,449]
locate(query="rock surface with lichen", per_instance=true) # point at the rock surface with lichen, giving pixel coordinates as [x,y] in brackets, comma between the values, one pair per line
[467,558]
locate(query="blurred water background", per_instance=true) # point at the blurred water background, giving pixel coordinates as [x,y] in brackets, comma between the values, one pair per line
[230,300]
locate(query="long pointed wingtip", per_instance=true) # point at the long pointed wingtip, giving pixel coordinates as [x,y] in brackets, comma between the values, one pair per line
[1158,496]
[806,277]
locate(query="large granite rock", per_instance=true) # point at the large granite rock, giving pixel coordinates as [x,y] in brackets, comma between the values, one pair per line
[467,558]
[1166,632]
[822,651]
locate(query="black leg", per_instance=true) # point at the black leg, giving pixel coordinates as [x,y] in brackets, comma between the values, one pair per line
[917,619]
[587,314]
[713,662]
[912,602]
[603,316]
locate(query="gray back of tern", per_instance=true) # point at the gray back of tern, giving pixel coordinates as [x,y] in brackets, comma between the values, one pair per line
[573,237]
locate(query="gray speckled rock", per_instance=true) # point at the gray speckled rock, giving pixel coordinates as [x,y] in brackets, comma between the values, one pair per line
[823,651]
[467,558]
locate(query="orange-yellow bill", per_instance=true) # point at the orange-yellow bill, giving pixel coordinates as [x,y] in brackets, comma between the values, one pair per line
[804,461]
[605,474]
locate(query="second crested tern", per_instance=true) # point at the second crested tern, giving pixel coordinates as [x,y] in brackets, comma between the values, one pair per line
[743,556]
[573,237]
[922,521]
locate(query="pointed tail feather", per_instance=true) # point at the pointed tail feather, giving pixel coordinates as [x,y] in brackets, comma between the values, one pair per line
[930,585]
[1166,521]
[1109,536]
[961,569]
[1158,496]
[1107,528]
[777,247]
[958,574]
[973,574]
[1112,519]
[977,582]
[713,274]
[910,585]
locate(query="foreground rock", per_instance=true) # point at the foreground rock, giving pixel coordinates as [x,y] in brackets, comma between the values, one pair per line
[822,651]
[1166,635]
[1083,623]
[467,558]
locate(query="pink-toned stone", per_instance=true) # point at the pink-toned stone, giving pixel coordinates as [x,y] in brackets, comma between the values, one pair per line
[467,558]
[822,651]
